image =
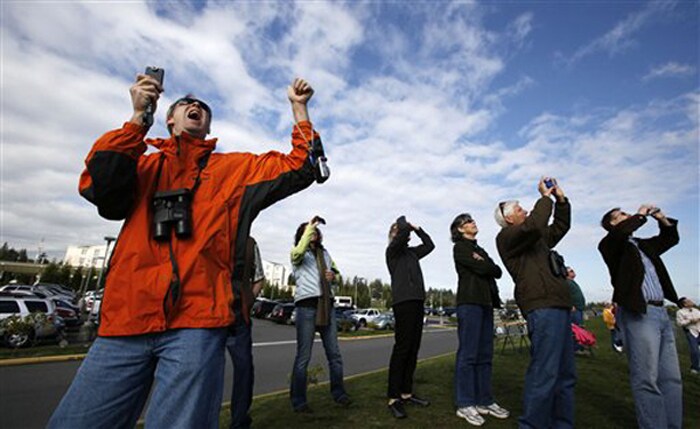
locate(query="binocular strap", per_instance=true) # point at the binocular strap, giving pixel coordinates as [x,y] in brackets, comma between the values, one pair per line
[172,296]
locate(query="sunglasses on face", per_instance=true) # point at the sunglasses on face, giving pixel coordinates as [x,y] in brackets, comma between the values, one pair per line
[186,101]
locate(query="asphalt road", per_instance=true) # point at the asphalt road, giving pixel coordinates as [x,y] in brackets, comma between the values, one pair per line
[29,393]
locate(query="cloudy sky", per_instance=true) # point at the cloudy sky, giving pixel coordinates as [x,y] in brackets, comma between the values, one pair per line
[427,109]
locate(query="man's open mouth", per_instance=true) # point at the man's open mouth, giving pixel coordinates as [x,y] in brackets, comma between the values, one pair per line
[194,114]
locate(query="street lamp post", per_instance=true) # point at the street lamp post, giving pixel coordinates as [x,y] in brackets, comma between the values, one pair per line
[109,241]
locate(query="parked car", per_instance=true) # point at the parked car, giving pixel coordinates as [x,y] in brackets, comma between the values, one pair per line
[262,307]
[69,312]
[345,321]
[23,306]
[365,316]
[282,313]
[58,289]
[448,311]
[38,290]
[384,321]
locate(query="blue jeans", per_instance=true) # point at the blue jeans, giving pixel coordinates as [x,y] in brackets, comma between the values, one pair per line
[693,343]
[240,347]
[112,384]
[654,370]
[306,328]
[548,396]
[474,355]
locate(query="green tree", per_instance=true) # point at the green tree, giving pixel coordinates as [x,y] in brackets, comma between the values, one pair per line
[52,273]
[64,274]
[76,279]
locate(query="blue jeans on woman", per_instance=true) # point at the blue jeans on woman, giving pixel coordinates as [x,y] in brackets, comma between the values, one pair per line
[655,374]
[548,395]
[306,330]
[693,343]
[112,384]
[474,356]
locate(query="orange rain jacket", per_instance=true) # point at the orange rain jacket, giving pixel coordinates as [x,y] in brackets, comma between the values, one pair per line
[235,187]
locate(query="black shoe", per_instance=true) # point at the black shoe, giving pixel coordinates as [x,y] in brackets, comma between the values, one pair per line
[304,409]
[344,401]
[397,410]
[415,400]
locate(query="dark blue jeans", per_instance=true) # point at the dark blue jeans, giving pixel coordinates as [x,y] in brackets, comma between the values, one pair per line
[240,347]
[548,396]
[306,329]
[474,355]
[693,346]
[112,384]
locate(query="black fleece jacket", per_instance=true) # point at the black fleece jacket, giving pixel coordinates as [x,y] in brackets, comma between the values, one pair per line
[477,277]
[625,264]
[403,263]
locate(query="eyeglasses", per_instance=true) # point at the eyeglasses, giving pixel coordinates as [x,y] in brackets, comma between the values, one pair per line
[501,205]
[186,101]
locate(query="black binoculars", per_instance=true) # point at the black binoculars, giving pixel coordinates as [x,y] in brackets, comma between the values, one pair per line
[172,208]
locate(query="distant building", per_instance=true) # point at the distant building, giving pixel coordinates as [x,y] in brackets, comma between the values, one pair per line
[86,256]
[276,274]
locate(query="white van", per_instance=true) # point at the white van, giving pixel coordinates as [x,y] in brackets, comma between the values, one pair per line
[343,302]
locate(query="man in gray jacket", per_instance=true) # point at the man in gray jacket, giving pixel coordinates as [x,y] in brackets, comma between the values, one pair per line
[524,245]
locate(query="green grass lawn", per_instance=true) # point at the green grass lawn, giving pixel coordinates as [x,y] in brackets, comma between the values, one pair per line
[603,397]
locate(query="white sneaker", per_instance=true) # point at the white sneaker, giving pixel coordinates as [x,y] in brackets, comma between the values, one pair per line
[471,415]
[494,410]
[694,371]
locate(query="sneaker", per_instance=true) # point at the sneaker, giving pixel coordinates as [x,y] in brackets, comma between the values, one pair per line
[694,371]
[618,348]
[494,409]
[471,415]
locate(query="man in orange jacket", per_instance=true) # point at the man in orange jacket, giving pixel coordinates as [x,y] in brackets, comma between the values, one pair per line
[169,290]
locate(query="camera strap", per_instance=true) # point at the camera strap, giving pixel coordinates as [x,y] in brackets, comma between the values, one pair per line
[172,295]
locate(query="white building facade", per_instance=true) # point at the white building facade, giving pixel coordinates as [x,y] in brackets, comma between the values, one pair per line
[86,256]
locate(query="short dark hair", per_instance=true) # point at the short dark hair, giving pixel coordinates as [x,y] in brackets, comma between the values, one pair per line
[456,235]
[607,217]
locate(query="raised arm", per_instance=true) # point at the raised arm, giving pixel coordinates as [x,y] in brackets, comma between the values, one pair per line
[109,180]
[297,254]
[427,245]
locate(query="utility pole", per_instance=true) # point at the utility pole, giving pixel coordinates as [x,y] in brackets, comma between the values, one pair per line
[109,241]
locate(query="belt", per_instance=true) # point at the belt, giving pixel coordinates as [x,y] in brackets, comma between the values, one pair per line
[656,303]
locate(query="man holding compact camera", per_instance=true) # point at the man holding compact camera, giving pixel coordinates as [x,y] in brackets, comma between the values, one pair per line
[542,293]
[641,283]
[169,290]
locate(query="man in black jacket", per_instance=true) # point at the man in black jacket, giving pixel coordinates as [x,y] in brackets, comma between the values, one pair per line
[524,245]
[641,282]
[408,296]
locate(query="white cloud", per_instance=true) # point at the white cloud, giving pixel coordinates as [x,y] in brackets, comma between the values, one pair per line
[672,69]
[407,114]
[621,37]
